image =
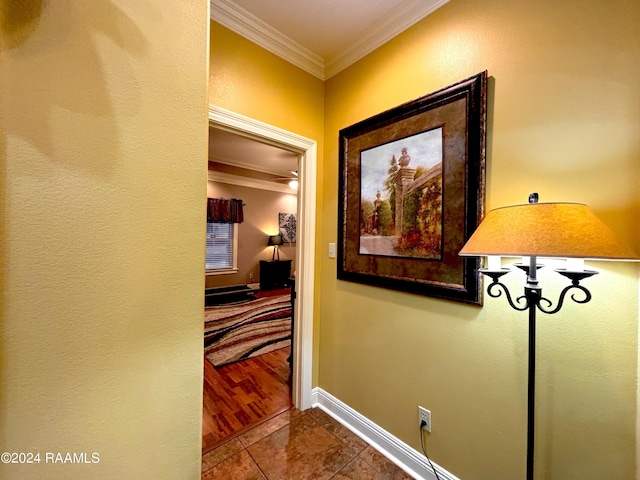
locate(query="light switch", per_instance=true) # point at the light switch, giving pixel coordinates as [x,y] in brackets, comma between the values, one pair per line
[332,250]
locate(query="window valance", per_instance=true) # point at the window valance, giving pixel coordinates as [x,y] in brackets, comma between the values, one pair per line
[224,210]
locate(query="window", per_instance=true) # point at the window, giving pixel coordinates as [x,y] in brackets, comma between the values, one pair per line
[222,248]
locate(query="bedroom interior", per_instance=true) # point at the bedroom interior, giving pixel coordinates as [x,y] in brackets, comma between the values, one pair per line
[249,307]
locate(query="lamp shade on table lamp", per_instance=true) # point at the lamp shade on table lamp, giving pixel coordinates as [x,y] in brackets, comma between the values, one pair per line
[274,240]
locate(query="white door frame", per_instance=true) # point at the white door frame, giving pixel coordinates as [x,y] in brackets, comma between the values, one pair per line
[306,234]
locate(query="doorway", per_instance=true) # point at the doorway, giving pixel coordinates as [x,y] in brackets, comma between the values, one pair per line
[302,342]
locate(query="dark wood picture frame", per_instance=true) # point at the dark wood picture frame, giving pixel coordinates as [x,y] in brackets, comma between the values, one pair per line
[426,159]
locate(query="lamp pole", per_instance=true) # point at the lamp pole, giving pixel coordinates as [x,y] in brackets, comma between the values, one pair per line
[532,300]
[532,293]
[533,297]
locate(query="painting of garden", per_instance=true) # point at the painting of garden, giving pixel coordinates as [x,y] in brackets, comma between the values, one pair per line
[401,197]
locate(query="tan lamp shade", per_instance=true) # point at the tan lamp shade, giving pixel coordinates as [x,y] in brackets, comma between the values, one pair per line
[546,230]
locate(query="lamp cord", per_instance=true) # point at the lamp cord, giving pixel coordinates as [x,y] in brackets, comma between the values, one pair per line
[425,450]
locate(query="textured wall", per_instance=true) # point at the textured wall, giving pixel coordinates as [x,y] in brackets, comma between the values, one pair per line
[248,80]
[564,116]
[104,160]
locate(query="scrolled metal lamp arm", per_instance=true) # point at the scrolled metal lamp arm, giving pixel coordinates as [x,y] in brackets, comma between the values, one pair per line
[533,295]
[563,294]
[497,288]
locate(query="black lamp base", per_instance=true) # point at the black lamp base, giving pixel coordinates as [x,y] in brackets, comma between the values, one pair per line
[531,301]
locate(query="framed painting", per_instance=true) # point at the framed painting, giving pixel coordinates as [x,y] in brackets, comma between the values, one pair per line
[411,192]
[287,226]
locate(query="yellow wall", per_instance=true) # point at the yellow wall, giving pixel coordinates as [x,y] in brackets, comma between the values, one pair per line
[248,80]
[564,117]
[103,110]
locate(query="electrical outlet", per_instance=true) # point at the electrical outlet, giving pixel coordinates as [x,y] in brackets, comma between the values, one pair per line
[424,415]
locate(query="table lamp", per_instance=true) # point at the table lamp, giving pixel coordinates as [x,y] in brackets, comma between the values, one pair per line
[275,241]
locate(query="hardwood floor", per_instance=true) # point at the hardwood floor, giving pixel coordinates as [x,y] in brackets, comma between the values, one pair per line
[243,394]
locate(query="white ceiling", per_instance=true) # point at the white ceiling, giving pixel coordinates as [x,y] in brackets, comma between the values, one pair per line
[241,152]
[326,27]
[321,36]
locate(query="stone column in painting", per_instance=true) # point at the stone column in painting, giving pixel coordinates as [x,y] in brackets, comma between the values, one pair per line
[403,179]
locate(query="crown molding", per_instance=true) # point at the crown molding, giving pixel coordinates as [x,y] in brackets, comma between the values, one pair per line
[380,32]
[231,179]
[232,162]
[252,28]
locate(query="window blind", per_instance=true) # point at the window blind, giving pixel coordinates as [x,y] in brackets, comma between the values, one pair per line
[219,246]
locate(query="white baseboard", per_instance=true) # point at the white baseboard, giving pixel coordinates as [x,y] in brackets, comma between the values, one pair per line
[405,457]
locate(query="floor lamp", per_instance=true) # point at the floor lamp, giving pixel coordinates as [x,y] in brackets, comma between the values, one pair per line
[564,230]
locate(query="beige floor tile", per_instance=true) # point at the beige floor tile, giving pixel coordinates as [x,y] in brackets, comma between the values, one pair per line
[382,464]
[301,451]
[238,467]
[297,445]
[358,469]
[220,454]
[266,428]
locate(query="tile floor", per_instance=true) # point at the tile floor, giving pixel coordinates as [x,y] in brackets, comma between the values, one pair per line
[298,446]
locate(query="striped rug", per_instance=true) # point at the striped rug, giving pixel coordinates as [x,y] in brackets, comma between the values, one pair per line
[238,331]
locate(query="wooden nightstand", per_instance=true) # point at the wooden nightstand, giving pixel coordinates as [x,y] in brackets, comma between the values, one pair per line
[274,274]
